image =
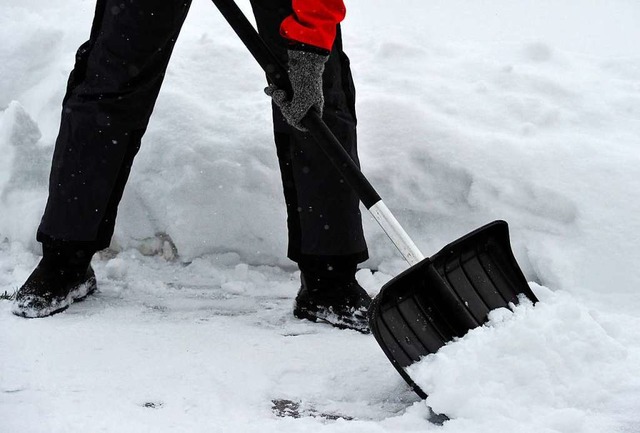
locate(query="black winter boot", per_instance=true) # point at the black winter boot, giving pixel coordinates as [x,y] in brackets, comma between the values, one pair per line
[64,275]
[331,294]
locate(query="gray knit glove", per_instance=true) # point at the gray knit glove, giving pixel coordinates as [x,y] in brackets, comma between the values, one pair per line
[305,73]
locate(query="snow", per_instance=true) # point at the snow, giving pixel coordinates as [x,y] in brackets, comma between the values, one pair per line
[557,367]
[526,111]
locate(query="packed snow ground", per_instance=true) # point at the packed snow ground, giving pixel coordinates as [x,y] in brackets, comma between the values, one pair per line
[526,111]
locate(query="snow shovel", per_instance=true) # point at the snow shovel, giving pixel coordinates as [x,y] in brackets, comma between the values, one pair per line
[437,299]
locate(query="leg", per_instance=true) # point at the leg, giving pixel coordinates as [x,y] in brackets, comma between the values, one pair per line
[110,97]
[324,221]
[323,212]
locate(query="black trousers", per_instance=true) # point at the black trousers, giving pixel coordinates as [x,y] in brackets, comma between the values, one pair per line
[110,97]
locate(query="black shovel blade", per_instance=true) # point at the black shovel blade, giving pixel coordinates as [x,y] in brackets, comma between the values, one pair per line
[445,296]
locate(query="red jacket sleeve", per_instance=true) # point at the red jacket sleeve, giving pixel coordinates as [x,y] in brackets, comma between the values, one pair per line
[314,22]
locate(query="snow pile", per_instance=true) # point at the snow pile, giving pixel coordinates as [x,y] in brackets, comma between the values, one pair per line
[556,367]
[522,132]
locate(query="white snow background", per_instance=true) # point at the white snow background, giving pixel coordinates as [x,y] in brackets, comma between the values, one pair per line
[527,111]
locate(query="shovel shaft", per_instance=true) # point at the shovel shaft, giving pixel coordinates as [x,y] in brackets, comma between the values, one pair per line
[396,233]
[328,143]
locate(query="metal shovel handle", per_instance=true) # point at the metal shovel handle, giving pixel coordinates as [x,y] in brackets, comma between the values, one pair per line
[328,143]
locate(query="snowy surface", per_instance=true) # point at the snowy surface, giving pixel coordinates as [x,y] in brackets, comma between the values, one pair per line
[526,111]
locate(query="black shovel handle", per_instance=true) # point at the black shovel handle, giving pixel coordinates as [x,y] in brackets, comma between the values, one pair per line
[277,75]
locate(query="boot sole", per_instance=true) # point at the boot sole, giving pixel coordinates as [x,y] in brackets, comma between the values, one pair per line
[76,295]
[331,319]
